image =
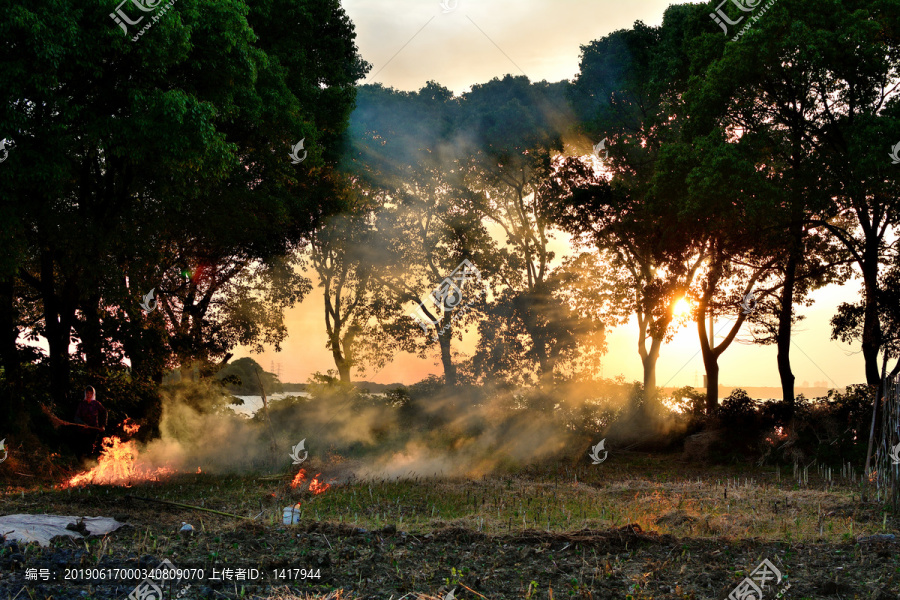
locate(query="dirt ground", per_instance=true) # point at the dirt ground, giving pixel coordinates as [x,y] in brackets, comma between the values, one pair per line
[433,550]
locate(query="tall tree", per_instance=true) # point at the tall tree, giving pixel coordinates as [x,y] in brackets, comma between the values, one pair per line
[403,148]
[341,255]
[135,160]
[629,92]
[513,129]
[764,91]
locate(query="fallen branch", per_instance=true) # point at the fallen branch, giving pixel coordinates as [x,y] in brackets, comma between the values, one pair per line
[209,510]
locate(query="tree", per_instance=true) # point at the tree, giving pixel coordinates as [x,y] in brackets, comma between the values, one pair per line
[629,91]
[135,161]
[401,146]
[513,129]
[341,256]
[244,375]
[764,92]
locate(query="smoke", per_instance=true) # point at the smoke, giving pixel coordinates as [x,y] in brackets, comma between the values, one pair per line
[197,431]
[406,144]
[467,433]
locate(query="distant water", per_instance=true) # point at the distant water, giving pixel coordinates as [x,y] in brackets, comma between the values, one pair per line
[254,403]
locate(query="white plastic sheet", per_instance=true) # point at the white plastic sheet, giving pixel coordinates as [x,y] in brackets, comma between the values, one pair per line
[43,528]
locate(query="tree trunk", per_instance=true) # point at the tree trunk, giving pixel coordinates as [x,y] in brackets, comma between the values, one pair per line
[783,337]
[58,323]
[525,306]
[871,340]
[870,344]
[545,371]
[649,364]
[878,399]
[712,384]
[710,362]
[444,341]
[343,370]
[90,332]
[343,366]
[649,409]
[12,409]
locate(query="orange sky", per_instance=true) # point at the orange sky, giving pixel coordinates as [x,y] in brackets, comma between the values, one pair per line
[410,42]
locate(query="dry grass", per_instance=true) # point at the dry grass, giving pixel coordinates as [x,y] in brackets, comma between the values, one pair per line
[738,504]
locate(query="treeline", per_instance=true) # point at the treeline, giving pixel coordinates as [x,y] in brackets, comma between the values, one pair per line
[680,164]
[741,175]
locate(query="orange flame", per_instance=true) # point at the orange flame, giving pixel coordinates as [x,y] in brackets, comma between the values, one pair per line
[299,478]
[316,486]
[120,464]
[129,426]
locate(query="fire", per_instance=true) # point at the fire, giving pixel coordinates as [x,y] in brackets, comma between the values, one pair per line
[129,426]
[315,485]
[120,463]
[299,478]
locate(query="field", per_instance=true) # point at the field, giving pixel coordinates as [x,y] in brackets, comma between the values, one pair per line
[637,526]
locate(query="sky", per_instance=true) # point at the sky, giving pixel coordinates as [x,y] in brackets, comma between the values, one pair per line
[411,42]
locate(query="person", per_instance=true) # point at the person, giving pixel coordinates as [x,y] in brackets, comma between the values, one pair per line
[90,412]
[93,414]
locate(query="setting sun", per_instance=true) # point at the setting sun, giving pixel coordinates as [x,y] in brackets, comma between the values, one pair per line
[682,307]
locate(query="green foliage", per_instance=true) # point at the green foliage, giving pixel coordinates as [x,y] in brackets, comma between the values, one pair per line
[244,376]
[161,164]
[689,400]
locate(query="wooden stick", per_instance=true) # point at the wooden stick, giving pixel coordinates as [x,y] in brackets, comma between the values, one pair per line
[217,512]
[57,422]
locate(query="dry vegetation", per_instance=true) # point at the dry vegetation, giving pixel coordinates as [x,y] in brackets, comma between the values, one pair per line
[635,526]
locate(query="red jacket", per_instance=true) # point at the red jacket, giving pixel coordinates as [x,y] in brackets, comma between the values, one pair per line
[91,413]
